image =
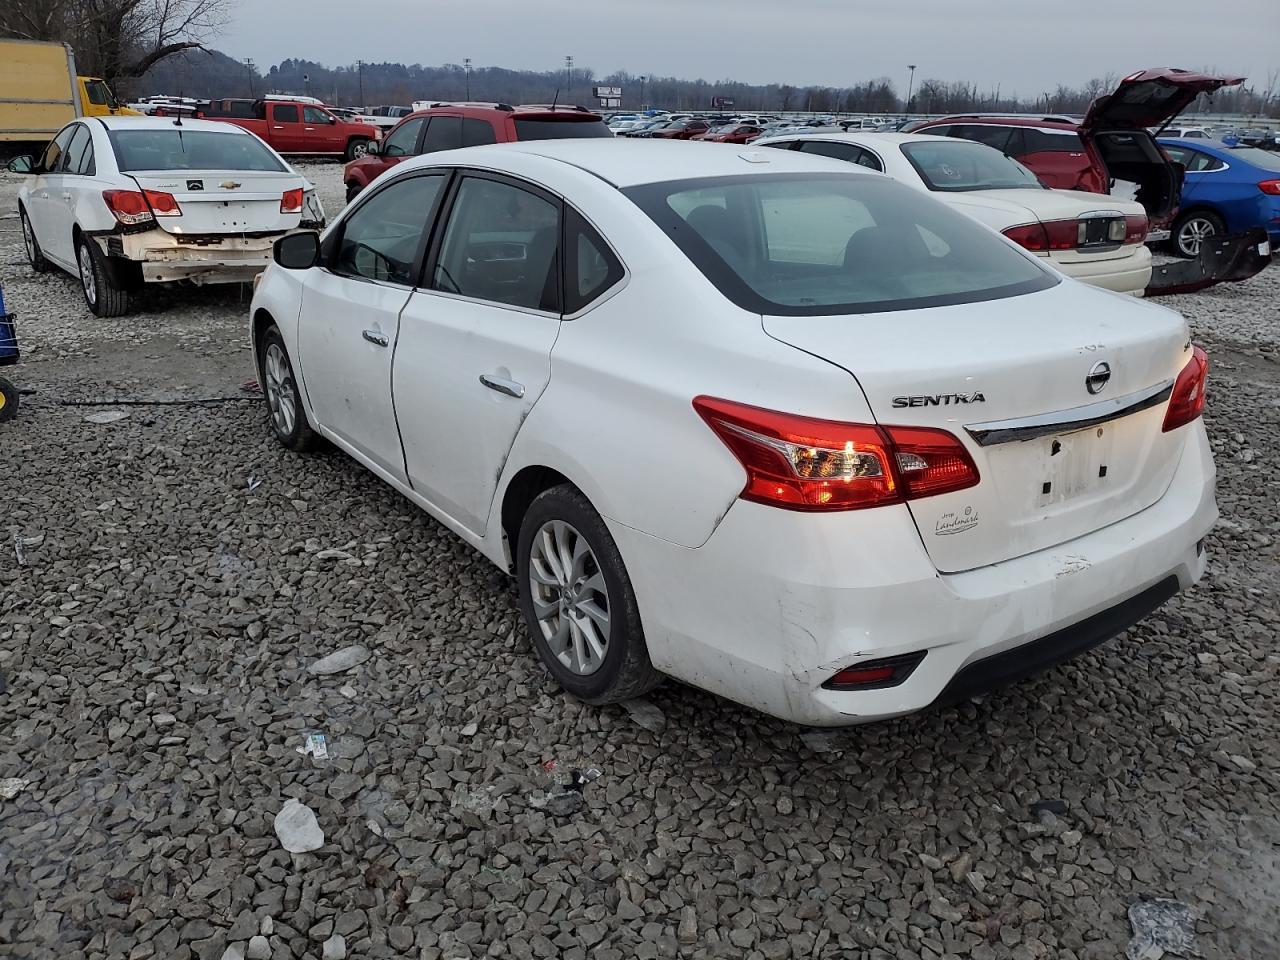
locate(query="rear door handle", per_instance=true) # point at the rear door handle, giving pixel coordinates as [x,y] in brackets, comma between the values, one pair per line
[509,387]
[66,196]
[376,338]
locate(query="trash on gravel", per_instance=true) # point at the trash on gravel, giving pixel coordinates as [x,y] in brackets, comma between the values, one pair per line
[298,829]
[645,714]
[341,555]
[253,483]
[337,662]
[558,803]
[1057,807]
[20,544]
[107,416]
[477,800]
[251,386]
[1160,927]
[549,766]
[314,744]
[10,787]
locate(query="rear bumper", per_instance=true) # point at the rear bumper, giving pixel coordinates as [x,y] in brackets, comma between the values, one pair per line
[164,257]
[1129,274]
[775,603]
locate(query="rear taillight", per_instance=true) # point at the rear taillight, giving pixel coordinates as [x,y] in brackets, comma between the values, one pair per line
[291,202]
[1186,402]
[1271,187]
[1043,237]
[803,463]
[129,207]
[876,674]
[163,204]
[1136,228]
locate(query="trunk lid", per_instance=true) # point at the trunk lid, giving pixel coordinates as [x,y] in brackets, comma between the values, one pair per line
[225,201]
[976,367]
[1150,98]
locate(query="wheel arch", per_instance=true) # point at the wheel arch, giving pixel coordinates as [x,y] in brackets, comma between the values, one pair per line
[520,492]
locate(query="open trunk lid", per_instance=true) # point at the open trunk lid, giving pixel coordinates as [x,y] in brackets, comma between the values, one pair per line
[1018,381]
[225,201]
[1150,98]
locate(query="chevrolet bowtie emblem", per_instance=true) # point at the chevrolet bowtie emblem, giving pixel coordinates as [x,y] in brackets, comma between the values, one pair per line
[229,185]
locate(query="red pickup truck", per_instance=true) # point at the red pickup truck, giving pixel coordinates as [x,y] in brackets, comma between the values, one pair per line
[295,127]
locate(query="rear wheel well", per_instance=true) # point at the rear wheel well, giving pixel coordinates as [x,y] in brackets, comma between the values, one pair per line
[262,321]
[523,489]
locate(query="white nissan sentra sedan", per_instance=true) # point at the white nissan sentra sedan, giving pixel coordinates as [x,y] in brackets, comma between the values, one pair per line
[796,434]
[124,201]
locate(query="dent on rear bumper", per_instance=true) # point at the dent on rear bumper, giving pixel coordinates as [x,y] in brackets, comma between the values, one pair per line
[776,602]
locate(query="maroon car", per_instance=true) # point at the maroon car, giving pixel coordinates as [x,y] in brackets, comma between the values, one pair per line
[447,126]
[681,130]
[1112,142]
[730,133]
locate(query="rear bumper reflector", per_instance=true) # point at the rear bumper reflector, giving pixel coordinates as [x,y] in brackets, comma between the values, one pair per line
[991,673]
[876,674]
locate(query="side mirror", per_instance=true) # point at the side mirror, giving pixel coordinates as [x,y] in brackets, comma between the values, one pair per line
[22,164]
[333,120]
[297,251]
[373,148]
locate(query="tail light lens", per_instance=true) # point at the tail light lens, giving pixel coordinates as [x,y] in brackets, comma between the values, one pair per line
[803,463]
[1136,228]
[1030,236]
[129,207]
[1046,236]
[876,674]
[163,204]
[1187,401]
[291,202]
[1271,187]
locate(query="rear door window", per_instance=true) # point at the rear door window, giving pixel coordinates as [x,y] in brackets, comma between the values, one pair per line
[1050,141]
[833,149]
[477,133]
[592,267]
[559,128]
[79,157]
[988,133]
[443,133]
[285,113]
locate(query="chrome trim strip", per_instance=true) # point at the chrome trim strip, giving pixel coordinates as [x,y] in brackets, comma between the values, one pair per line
[1066,421]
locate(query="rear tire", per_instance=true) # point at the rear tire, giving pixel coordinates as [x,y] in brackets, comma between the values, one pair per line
[34,256]
[8,401]
[102,290]
[284,399]
[353,191]
[574,594]
[1194,228]
[356,149]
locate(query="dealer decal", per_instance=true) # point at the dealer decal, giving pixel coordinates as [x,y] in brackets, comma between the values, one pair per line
[952,522]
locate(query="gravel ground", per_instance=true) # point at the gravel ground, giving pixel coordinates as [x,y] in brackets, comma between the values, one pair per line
[156,697]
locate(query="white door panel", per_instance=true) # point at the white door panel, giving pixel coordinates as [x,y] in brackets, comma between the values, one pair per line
[346,338]
[458,430]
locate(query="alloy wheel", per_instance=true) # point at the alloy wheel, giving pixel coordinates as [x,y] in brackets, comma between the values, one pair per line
[570,597]
[281,395]
[87,279]
[1193,233]
[28,239]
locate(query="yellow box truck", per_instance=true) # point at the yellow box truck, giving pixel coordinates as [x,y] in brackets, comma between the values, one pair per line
[40,92]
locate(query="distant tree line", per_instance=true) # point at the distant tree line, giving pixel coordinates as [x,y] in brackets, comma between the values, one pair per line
[205,74]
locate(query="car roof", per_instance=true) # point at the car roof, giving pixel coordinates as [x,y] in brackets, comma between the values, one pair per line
[862,137]
[626,163]
[1057,123]
[166,123]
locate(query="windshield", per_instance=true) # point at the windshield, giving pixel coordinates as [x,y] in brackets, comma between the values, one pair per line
[1258,157]
[177,149]
[957,165]
[558,128]
[822,244]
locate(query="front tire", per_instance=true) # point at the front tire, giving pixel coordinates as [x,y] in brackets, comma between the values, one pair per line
[102,291]
[353,191]
[357,149]
[8,401]
[578,602]
[34,256]
[1193,229]
[284,399]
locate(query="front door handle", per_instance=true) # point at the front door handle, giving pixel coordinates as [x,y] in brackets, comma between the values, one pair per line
[509,387]
[376,338]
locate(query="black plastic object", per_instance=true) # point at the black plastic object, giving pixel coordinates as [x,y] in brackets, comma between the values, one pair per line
[1227,259]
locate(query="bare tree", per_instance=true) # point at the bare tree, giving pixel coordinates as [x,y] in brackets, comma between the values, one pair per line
[117,39]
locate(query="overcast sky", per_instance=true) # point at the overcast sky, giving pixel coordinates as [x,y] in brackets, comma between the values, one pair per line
[1027,47]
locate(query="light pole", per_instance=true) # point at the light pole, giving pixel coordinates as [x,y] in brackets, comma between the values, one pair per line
[466,63]
[252,73]
[642,80]
[568,76]
[911,78]
[360,77]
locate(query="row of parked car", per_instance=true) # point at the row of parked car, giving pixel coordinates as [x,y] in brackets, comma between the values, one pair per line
[503,334]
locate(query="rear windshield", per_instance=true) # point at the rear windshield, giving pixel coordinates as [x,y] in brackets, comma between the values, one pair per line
[821,244]
[958,165]
[1259,158]
[558,128]
[177,149]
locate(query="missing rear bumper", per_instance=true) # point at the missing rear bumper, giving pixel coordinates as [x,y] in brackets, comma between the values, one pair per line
[1227,259]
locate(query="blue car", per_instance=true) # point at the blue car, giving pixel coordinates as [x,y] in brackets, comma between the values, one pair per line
[1226,190]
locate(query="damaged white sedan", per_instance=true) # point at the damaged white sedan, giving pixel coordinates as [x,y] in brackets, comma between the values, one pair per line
[125,201]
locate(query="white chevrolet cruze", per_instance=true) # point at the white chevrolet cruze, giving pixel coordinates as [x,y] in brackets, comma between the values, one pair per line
[799,435]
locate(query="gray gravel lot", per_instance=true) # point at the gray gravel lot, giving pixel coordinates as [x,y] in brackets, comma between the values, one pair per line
[155,696]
